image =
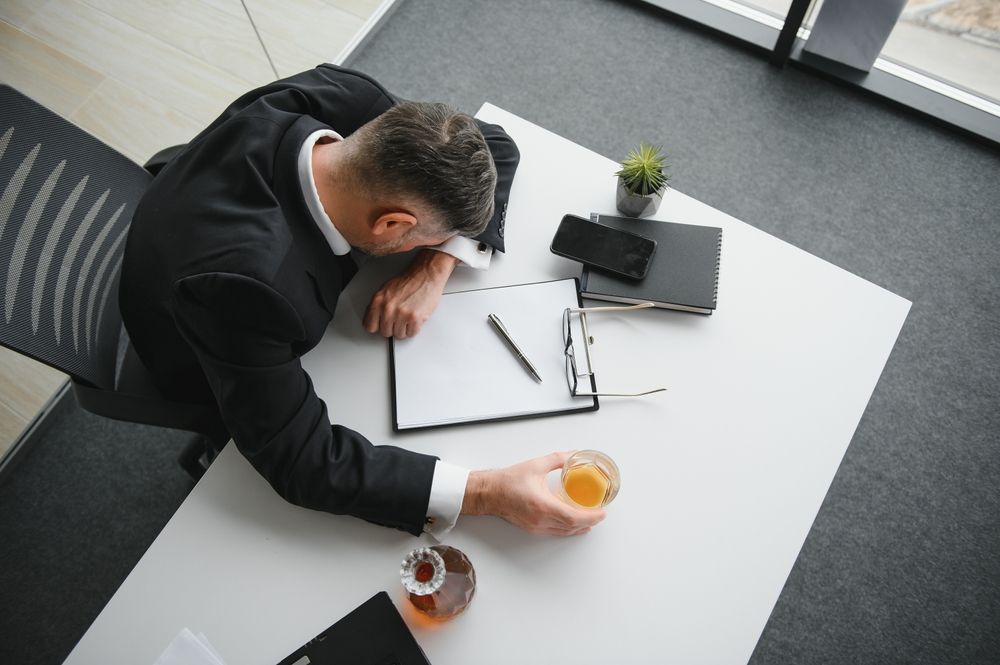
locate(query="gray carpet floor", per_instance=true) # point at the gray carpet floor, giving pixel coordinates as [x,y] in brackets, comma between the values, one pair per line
[76,514]
[902,563]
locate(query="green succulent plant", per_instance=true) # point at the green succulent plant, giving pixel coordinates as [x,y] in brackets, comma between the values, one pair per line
[642,172]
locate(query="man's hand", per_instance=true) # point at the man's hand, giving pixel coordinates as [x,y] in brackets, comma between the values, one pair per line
[519,494]
[401,307]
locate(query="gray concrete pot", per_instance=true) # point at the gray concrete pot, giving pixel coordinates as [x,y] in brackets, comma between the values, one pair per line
[633,205]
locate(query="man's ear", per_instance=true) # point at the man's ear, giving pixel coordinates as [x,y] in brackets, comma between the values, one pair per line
[393,224]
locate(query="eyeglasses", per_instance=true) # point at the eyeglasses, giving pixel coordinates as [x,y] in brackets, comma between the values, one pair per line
[573,375]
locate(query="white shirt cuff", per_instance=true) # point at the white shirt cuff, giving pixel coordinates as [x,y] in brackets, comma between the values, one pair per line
[447,493]
[472,253]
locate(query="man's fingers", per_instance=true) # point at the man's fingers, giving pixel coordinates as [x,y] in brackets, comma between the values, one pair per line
[570,517]
[405,324]
[580,518]
[387,322]
[556,460]
[371,321]
[413,326]
[390,323]
[563,532]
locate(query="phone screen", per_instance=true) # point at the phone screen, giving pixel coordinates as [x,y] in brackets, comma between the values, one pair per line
[601,246]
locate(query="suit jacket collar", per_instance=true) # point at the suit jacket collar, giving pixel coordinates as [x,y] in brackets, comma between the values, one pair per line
[332,272]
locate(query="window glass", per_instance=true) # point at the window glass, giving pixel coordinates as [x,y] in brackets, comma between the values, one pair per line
[777,8]
[955,41]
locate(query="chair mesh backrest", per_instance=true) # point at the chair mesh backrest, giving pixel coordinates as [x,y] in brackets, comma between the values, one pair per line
[66,202]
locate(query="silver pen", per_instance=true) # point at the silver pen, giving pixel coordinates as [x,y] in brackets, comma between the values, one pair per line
[512,345]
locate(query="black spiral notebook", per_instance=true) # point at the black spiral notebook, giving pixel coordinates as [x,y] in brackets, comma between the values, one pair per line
[683,275]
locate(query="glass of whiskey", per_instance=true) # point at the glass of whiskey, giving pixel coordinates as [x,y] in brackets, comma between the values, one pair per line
[590,479]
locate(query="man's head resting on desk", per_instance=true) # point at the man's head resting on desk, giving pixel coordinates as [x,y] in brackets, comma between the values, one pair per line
[415,176]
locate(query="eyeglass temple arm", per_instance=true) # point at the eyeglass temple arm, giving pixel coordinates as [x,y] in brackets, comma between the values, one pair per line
[611,308]
[582,311]
[645,392]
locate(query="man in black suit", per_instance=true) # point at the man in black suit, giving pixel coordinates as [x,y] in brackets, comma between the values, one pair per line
[239,251]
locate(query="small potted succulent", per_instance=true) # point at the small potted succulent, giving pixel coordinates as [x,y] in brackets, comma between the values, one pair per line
[642,181]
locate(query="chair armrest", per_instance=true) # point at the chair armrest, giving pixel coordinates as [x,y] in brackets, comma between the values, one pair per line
[155,163]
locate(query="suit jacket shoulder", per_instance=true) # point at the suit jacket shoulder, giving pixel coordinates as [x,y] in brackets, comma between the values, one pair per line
[341,98]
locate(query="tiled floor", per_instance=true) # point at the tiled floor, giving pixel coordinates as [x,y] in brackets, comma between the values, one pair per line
[144,74]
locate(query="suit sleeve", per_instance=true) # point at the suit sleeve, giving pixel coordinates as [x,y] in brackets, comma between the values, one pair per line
[245,335]
[505,157]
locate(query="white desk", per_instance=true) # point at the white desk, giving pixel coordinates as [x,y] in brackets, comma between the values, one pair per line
[722,475]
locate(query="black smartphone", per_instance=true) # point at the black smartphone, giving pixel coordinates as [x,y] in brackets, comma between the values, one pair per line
[621,252]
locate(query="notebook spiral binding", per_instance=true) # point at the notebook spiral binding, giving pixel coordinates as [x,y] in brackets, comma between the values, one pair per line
[718,263]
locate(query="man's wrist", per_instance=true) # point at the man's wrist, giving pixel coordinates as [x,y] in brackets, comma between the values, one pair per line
[478,490]
[439,265]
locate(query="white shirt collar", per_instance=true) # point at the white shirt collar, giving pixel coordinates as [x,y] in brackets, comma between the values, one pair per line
[336,241]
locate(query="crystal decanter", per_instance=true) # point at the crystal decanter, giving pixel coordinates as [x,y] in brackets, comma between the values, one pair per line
[440,580]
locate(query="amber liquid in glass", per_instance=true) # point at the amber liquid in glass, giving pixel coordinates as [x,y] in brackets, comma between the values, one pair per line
[590,479]
[587,485]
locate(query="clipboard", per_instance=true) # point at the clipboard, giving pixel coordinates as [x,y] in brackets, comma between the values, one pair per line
[458,370]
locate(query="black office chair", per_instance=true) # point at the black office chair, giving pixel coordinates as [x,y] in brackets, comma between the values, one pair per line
[66,202]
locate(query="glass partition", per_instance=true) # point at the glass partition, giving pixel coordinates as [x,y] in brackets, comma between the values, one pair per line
[939,57]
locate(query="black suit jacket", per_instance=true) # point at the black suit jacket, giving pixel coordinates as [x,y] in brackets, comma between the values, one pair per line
[227,282]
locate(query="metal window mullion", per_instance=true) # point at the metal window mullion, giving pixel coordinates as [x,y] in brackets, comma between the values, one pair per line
[786,38]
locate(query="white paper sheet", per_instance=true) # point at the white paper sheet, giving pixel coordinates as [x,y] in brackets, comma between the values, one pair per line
[189,649]
[458,369]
